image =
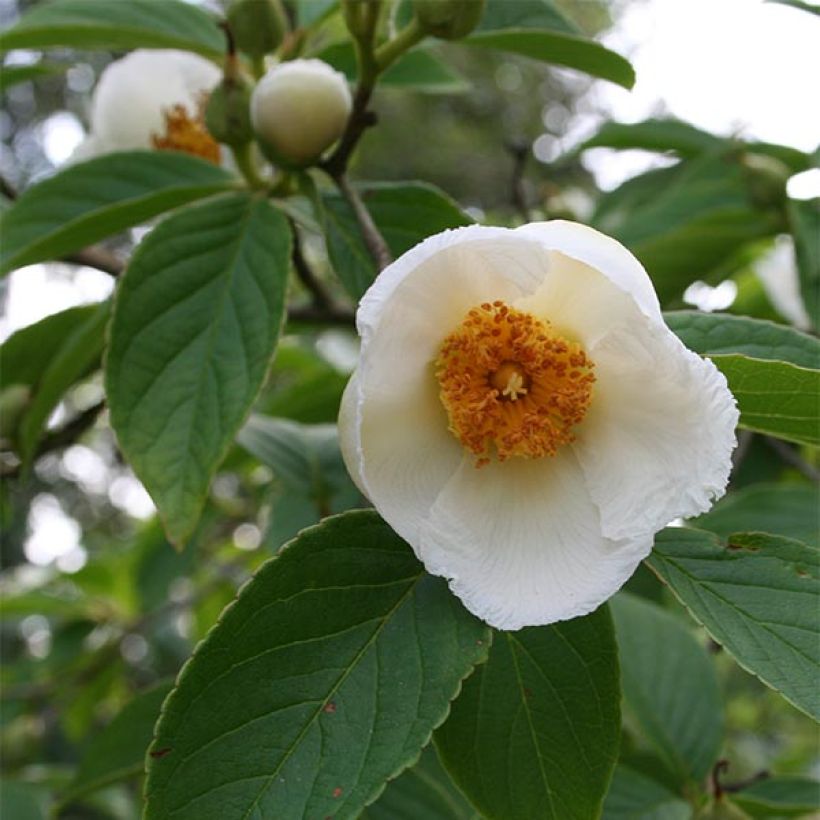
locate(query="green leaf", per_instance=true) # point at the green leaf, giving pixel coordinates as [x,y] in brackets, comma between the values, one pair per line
[781,509]
[670,686]
[92,200]
[539,14]
[655,135]
[11,75]
[716,333]
[802,5]
[561,49]
[780,796]
[405,213]
[804,216]
[79,353]
[26,354]
[633,796]
[22,801]
[757,598]
[424,792]
[195,325]
[314,11]
[118,751]
[535,731]
[346,654]
[417,70]
[116,24]
[776,398]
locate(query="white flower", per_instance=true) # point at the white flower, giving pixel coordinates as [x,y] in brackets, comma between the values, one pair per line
[299,109]
[777,272]
[152,98]
[524,419]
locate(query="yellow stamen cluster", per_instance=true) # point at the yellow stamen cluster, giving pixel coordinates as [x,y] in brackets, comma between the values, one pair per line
[512,386]
[186,133]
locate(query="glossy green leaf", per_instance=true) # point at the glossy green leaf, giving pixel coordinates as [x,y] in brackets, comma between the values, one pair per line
[91,200]
[558,48]
[633,796]
[79,353]
[780,796]
[670,686]
[776,398]
[118,751]
[535,731]
[26,354]
[781,509]
[717,333]
[116,24]
[424,792]
[757,597]
[804,216]
[405,213]
[11,75]
[346,654]
[195,325]
[418,70]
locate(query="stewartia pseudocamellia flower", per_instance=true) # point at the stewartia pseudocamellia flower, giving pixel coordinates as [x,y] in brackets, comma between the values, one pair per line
[152,98]
[524,418]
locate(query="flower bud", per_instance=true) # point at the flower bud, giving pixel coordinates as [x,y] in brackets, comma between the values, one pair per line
[298,110]
[228,115]
[448,19]
[257,26]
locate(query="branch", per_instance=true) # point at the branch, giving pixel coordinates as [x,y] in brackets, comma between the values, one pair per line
[793,458]
[371,234]
[97,257]
[333,315]
[519,152]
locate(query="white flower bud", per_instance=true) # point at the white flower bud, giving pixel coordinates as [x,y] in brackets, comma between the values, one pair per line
[299,109]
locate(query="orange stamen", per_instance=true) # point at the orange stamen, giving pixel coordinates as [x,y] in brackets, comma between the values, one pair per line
[186,133]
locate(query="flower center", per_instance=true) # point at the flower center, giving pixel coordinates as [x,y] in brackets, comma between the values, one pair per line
[511,386]
[186,133]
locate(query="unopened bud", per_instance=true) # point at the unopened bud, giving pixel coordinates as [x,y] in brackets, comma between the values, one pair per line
[299,109]
[257,26]
[448,19]
[228,115]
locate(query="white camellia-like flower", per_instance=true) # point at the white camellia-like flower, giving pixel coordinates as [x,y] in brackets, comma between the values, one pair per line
[299,109]
[522,416]
[152,98]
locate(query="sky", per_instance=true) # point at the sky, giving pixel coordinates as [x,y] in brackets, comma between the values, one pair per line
[734,67]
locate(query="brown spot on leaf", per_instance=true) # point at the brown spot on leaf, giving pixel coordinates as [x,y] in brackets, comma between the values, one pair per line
[337,792]
[329,708]
[159,753]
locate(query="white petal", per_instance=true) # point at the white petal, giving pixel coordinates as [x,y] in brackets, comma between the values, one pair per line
[657,441]
[521,542]
[129,100]
[601,252]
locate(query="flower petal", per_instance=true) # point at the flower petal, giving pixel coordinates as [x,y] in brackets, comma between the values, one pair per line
[521,542]
[601,252]
[657,441]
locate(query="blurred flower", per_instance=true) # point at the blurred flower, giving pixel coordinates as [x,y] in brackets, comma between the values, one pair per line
[777,272]
[523,417]
[299,109]
[152,99]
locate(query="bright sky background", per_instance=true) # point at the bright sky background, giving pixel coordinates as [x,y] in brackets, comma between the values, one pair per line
[730,66]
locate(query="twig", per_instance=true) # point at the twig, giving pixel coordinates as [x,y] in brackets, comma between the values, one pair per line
[333,315]
[372,236]
[72,430]
[97,257]
[319,294]
[519,152]
[744,441]
[793,458]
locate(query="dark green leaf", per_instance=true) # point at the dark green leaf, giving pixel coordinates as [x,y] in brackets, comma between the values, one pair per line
[116,24]
[781,509]
[670,686]
[561,49]
[780,796]
[26,354]
[714,333]
[346,654]
[540,14]
[418,70]
[535,731]
[405,213]
[633,796]
[776,398]
[424,792]
[118,751]
[195,325]
[758,598]
[11,75]
[804,216]
[22,801]
[313,11]
[94,199]
[79,353]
